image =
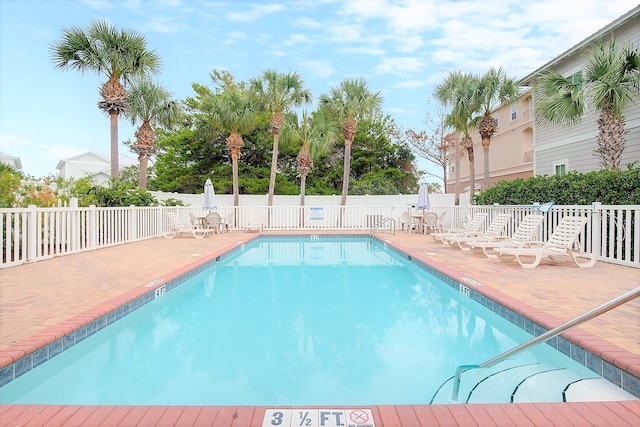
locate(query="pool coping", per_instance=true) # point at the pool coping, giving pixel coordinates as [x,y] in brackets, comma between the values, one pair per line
[613,363]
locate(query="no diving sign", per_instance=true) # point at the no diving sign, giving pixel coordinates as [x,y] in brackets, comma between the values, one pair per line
[318,418]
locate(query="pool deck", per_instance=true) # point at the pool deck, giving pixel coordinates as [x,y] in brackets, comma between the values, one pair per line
[42,301]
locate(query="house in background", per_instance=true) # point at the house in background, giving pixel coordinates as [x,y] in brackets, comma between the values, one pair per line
[96,164]
[522,148]
[558,150]
[10,160]
[510,151]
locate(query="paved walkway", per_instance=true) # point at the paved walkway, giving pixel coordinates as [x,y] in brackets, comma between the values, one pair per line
[38,296]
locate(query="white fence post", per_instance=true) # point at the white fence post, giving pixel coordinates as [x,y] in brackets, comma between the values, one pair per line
[32,233]
[596,229]
[93,227]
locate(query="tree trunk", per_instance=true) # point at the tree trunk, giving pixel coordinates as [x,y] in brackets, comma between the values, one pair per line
[234,167]
[345,174]
[115,168]
[457,173]
[303,188]
[142,177]
[274,168]
[472,175]
[485,150]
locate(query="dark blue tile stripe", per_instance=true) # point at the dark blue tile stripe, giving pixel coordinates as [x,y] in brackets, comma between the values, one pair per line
[610,372]
[613,374]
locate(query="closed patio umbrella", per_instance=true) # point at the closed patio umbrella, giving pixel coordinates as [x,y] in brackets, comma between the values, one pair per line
[423,197]
[209,204]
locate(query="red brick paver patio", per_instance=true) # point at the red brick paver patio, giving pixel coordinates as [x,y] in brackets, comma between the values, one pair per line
[40,301]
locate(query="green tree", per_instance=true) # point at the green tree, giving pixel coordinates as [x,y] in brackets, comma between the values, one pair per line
[350,102]
[611,80]
[316,134]
[118,54]
[9,185]
[492,89]
[150,104]
[277,93]
[456,93]
[232,112]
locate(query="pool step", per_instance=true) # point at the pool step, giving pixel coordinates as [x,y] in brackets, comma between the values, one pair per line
[522,383]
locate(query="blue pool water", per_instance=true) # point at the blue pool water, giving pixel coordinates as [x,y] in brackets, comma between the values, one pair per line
[285,322]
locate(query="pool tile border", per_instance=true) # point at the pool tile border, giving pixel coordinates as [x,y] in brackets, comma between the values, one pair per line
[30,353]
[27,354]
[603,358]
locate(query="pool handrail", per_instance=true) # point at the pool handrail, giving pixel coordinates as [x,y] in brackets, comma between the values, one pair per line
[379,224]
[552,333]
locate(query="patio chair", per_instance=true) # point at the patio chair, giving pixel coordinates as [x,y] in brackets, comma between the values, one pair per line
[564,241]
[213,221]
[524,233]
[495,229]
[176,227]
[440,225]
[429,222]
[473,226]
[255,221]
[405,222]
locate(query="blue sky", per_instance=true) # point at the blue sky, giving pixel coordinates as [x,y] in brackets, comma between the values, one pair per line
[402,48]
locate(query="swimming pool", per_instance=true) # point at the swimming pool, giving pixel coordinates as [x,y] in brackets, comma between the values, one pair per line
[285,322]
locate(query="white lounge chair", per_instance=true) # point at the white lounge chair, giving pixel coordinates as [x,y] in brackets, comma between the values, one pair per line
[495,230]
[474,226]
[524,233]
[564,241]
[177,227]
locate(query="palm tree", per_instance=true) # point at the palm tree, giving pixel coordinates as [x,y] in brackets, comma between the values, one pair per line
[610,81]
[318,134]
[492,89]
[118,54]
[350,102]
[232,111]
[279,92]
[150,104]
[456,93]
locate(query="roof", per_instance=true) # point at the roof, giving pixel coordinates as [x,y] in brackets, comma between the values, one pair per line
[9,159]
[105,156]
[633,13]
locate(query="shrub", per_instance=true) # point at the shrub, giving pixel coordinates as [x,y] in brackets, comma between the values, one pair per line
[609,187]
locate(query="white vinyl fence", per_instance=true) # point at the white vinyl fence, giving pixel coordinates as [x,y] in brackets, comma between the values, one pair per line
[34,234]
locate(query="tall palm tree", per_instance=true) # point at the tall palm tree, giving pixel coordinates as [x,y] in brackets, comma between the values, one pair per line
[492,89]
[611,80]
[456,93]
[150,104]
[278,92]
[350,102]
[232,111]
[317,134]
[118,54]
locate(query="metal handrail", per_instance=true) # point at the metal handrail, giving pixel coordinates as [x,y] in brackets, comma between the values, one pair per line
[546,336]
[380,223]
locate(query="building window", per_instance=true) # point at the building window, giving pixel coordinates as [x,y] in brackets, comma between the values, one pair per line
[560,167]
[576,79]
[514,112]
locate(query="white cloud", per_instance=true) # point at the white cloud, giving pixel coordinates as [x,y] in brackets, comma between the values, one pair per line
[400,65]
[319,68]
[255,13]
[98,4]
[295,39]
[308,23]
